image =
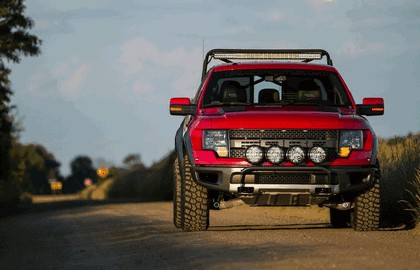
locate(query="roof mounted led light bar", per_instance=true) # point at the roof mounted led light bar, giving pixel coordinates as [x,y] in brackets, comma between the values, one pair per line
[226,55]
[251,56]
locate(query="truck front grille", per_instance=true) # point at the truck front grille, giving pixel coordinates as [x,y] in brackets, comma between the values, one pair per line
[241,139]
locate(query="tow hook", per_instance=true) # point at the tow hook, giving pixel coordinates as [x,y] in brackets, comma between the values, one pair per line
[218,204]
[338,206]
[345,205]
[215,205]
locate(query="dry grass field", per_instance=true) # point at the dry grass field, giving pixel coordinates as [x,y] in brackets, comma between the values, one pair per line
[400,160]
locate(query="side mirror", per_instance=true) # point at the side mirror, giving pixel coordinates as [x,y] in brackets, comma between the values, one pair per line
[371,106]
[181,106]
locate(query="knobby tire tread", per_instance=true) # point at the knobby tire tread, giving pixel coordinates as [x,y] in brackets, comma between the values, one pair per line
[367,208]
[177,194]
[195,207]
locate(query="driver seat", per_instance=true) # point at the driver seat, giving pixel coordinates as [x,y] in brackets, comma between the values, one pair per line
[308,90]
[231,91]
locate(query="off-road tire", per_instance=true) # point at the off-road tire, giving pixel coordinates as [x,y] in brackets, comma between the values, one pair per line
[177,194]
[367,208]
[194,200]
[340,218]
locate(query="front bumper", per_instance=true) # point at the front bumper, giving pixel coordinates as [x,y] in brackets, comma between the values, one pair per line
[306,182]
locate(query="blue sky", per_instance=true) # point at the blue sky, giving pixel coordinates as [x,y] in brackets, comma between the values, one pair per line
[108,68]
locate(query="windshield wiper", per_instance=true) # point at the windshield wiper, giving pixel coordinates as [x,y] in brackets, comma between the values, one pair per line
[314,103]
[225,104]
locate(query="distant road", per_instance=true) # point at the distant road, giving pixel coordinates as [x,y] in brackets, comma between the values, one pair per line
[54,198]
[131,235]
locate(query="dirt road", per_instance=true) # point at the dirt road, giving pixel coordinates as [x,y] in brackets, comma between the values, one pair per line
[141,236]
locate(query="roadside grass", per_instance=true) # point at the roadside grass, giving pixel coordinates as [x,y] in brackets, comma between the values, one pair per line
[148,184]
[400,193]
[98,191]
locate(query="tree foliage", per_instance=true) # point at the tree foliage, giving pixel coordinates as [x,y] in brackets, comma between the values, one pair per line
[132,161]
[15,41]
[81,168]
[152,183]
[32,166]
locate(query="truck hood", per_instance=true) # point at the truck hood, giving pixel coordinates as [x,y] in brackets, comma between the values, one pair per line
[281,119]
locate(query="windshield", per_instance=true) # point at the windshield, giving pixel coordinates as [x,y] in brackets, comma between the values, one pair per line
[275,88]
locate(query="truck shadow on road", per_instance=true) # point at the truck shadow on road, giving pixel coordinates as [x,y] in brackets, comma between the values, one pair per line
[259,227]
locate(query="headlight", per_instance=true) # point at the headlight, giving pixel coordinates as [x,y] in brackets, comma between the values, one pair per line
[351,138]
[216,140]
[275,154]
[254,154]
[295,154]
[317,154]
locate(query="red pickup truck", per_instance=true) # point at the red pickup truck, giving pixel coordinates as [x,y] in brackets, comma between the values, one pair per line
[275,128]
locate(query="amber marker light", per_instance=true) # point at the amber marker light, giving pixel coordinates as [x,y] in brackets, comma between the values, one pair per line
[377,109]
[344,151]
[222,151]
[176,109]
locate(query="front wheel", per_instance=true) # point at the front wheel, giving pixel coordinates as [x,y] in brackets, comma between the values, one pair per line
[177,194]
[194,202]
[367,208]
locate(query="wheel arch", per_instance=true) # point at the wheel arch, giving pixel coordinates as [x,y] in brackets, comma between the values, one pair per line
[183,146]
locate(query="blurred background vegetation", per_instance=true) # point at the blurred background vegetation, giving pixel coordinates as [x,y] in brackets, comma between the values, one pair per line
[400,168]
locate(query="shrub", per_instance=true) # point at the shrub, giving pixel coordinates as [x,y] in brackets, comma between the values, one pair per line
[399,159]
[147,184]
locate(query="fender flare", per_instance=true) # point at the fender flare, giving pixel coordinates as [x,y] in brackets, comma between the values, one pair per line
[183,146]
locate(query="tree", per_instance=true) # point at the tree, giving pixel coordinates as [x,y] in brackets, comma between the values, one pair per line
[132,161]
[15,41]
[32,166]
[81,168]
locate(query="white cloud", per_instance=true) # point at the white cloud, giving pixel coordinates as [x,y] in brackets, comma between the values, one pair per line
[70,76]
[65,79]
[134,52]
[37,80]
[139,53]
[275,16]
[357,46]
[73,82]
[142,88]
[283,15]
[320,5]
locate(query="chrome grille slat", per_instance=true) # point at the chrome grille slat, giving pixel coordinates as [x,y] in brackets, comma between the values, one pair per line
[313,134]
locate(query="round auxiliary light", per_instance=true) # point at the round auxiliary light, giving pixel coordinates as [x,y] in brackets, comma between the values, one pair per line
[317,154]
[295,154]
[275,154]
[254,154]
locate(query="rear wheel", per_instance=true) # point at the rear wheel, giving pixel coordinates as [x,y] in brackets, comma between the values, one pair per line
[340,218]
[177,194]
[194,202]
[367,209]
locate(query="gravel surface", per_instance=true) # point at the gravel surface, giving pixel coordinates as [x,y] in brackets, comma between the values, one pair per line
[89,235]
